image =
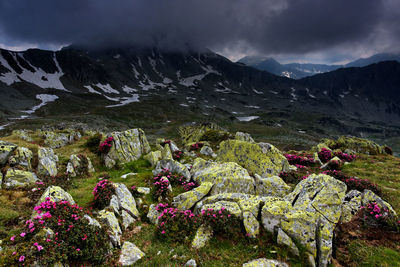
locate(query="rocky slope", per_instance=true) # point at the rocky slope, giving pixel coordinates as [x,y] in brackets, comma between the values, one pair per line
[187,201]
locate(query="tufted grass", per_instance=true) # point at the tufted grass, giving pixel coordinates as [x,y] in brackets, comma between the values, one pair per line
[363,255]
[383,170]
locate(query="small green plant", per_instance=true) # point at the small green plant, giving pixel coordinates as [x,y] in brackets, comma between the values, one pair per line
[93,143]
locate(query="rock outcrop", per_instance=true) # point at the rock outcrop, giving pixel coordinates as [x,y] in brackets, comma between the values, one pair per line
[47,162]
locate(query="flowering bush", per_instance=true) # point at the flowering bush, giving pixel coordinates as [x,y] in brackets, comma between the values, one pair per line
[174,179]
[196,146]
[354,183]
[376,216]
[161,188]
[72,239]
[177,155]
[345,156]
[222,221]
[165,142]
[187,186]
[102,194]
[325,155]
[106,145]
[299,160]
[176,225]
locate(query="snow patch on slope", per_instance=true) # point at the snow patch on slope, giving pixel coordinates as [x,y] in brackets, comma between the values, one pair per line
[45,98]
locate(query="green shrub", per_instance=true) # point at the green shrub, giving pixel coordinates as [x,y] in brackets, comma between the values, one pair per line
[93,143]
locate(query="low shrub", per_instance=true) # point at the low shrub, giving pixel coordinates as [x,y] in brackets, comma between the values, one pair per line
[177,155]
[135,192]
[102,194]
[222,222]
[325,155]
[196,146]
[176,225]
[93,143]
[300,160]
[174,179]
[72,239]
[161,189]
[345,156]
[376,216]
[294,177]
[106,145]
[354,183]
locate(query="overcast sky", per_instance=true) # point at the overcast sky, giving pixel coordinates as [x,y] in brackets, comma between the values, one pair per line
[321,31]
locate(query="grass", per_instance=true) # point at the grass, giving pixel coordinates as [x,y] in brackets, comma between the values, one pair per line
[380,169]
[363,255]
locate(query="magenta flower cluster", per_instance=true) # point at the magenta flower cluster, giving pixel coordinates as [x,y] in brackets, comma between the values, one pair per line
[325,155]
[106,145]
[345,156]
[299,160]
[196,146]
[353,182]
[102,193]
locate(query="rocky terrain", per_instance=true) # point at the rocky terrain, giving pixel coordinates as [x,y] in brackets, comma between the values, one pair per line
[199,195]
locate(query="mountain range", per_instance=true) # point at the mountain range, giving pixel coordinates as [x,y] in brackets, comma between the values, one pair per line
[150,87]
[301,70]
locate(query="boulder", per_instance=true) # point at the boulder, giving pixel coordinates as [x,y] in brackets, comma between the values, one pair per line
[153,157]
[79,164]
[226,177]
[271,186]
[109,219]
[47,162]
[23,134]
[325,230]
[125,200]
[190,263]
[127,146]
[284,239]
[188,199]
[262,158]
[19,179]
[272,212]
[6,150]
[153,214]
[244,137]
[202,132]
[127,219]
[203,234]
[23,158]
[207,151]
[263,262]
[173,166]
[351,205]
[60,139]
[251,224]
[368,197]
[56,194]
[92,221]
[166,153]
[130,254]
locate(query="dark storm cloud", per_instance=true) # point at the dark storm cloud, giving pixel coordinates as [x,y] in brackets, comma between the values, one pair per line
[266,26]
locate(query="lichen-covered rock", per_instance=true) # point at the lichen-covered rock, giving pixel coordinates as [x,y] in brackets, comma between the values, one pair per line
[18,179]
[321,193]
[351,205]
[126,200]
[333,164]
[246,202]
[272,212]
[324,241]
[166,153]
[263,262]
[78,164]
[60,139]
[232,207]
[109,219]
[127,146]
[143,190]
[6,150]
[191,263]
[56,194]
[92,221]
[301,226]
[368,197]
[226,177]
[23,134]
[203,234]
[173,166]
[188,199]
[114,204]
[153,157]
[201,132]
[356,144]
[251,224]
[130,254]
[153,214]
[271,186]
[23,158]
[244,137]
[262,158]
[284,239]
[207,151]
[127,219]
[47,162]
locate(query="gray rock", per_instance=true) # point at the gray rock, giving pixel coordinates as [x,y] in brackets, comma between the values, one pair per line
[263,262]
[130,254]
[19,179]
[109,219]
[173,166]
[244,137]
[6,150]
[47,162]
[191,263]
